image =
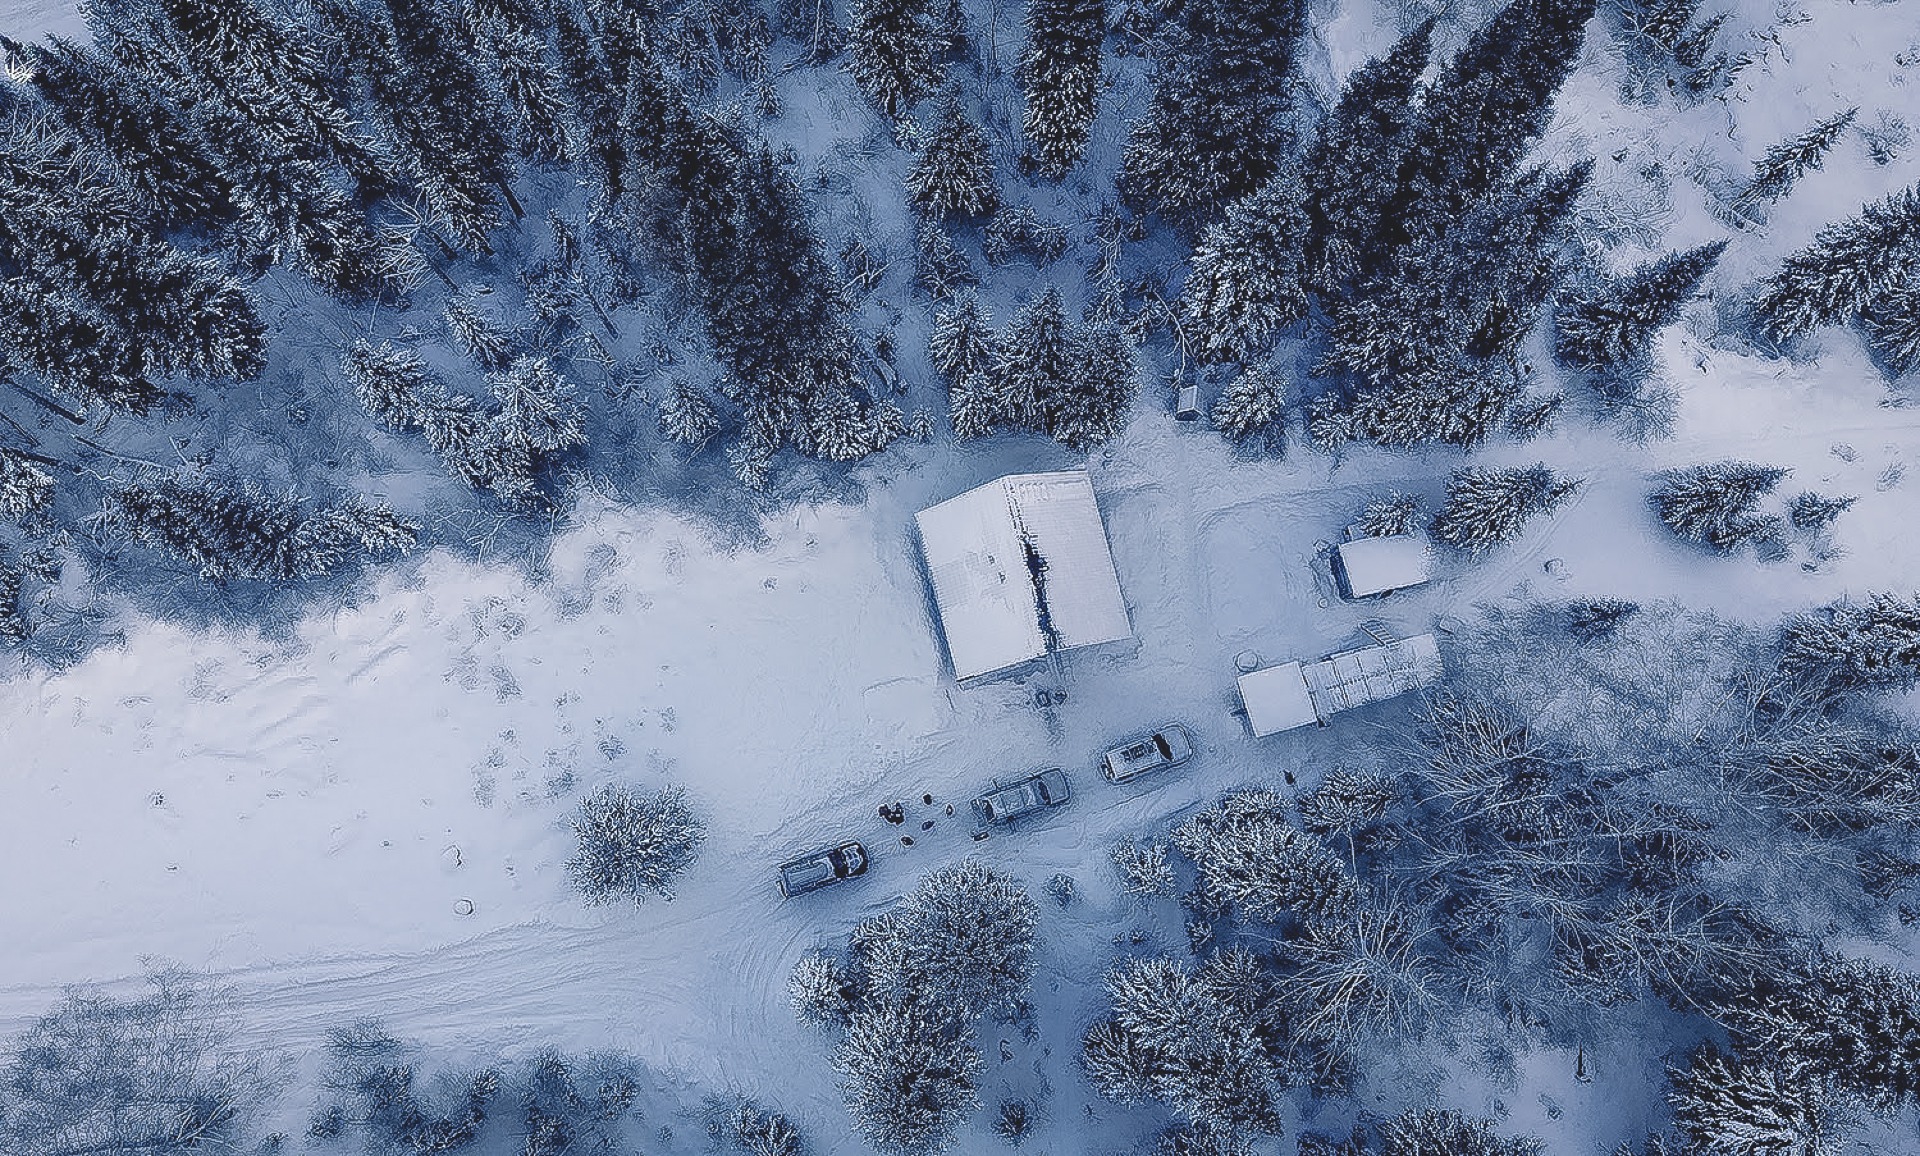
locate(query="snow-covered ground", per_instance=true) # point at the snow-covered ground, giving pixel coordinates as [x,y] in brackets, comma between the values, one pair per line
[306,819]
[32,19]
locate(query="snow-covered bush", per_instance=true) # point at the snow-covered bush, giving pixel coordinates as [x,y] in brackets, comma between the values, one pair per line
[1739,1107]
[25,488]
[1394,514]
[1143,867]
[632,843]
[687,417]
[156,1073]
[1596,619]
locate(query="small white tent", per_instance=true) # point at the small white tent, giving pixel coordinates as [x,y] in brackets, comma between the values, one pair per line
[1020,567]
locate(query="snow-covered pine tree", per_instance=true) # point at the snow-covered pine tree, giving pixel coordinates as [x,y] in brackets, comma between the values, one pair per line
[1490,505]
[336,536]
[440,117]
[1251,411]
[1351,171]
[392,384]
[1738,1107]
[1776,171]
[1713,503]
[1892,323]
[25,488]
[1039,353]
[1091,405]
[153,143]
[1218,125]
[688,417]
[1849,266]
[533,89]
[973,408]
[632,843]
[1060,70]
[1485,110]
[909,1074]
[954,172]
[1433,1131]
[1811,511]
[539,409]
[1249,274]
[943,266]
[962,939]
[1857,645]
[15,628]
[963,342]
[891,46]
[1197,1039]
[1613,322]
[1253,859]
[476,333]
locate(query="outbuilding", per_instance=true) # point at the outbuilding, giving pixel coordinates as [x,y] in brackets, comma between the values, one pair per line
[1295,694]
[1021,568]
[1365,567]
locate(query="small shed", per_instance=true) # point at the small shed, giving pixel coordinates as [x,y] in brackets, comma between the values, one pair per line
[1020,567]
[1365,567]
[1277,699]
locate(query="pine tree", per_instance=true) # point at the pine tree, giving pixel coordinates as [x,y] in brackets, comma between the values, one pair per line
[1060,69]
[1249,274]
[1714,503]
[476,333]
[688,417]
[1485,110]
[909,1074]
[392,384]
[820,994]
[633,844]
[539,409]
[440,116]
[1615,322]
[954,172]
[1252,858]
[1434,1132]
[890,49]
[153,143]
[1218,124]
[1039,354]
[534,92]
[1251,411]
[1857,646]
[25,488]
[1774,174]
[1811,511]
[236,530]
[1390,516]
[1092,404]
[1734,1107]
[963,342]
[1893,329]
[15,628]
[1849,266]
[1352,168]
[1487,505]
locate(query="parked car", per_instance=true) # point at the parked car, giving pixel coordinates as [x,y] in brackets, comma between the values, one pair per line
[1169,746]
[1036,792]
[821,868]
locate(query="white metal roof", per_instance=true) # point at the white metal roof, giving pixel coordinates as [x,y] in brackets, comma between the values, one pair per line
[991,599]
[1358,677]
[1375,565]
[1277,699]
[1294,694]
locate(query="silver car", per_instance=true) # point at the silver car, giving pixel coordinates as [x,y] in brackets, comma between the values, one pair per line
[1036,792]
[823,867]
[1169,746]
